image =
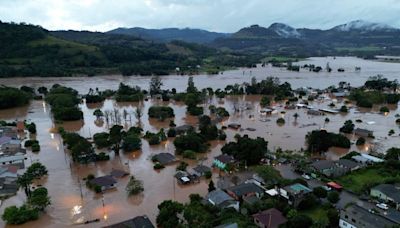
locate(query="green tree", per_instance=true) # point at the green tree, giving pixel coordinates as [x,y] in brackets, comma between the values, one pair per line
[191,88]
[98,113]
[300,221]
[167,215]
[39,199]
[348,127]
[116,137]
[333,197]
[393,154]
[131,142]
[37,170]
[134,186]
[344,109]
[265,101]
[247,149]
[360,141]
[25,181]
[101,139]
[320,192]
[15,215]
[155,85]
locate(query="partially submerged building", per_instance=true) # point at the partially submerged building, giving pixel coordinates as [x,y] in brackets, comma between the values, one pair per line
[222,200]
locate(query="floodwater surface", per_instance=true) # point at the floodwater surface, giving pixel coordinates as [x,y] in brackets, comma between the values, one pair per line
[304,78]
[73,203]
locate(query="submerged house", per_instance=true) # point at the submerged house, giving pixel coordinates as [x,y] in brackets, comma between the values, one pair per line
[315,112]
[201,170]
[164,158]
[222,161]
[137,222]
[363,132]
[105,182]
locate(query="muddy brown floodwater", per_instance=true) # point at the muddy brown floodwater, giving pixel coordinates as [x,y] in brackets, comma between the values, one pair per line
[304,78]
[73,203]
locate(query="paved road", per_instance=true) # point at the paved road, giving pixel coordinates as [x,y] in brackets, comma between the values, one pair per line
[345,196]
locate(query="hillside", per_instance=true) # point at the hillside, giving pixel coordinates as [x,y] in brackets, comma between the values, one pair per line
[29,50]
[354,38]
[170,34]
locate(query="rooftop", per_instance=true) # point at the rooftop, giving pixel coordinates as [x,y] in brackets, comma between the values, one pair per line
[297,188]
[323,164]
[389,190]
[104,181]
[246,188]
[164,158]
[271,218]
[361,214]
[137,222]
[118,173]
[224,158]
[218,196]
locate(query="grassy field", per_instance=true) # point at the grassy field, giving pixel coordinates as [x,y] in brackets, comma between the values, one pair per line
[361,180]
[280,59]
[359,49]
[317,214]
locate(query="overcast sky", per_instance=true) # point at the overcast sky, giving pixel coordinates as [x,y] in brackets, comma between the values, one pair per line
[215,15]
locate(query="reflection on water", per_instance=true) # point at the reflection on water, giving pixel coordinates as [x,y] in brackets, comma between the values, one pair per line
[73,203]
[304,78]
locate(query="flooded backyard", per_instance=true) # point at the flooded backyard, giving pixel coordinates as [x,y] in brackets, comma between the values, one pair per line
[73,202]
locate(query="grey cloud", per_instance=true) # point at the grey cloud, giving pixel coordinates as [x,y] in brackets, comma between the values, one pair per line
[216,15]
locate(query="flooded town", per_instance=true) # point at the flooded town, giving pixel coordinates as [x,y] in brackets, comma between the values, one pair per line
[193,122]
[73,203]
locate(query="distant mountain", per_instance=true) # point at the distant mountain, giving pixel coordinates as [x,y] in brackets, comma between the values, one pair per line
[358,37]
[360,25]
[169,34]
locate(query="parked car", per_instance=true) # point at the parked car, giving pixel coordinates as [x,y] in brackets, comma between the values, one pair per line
[305,176]
[383,206]
[326,188]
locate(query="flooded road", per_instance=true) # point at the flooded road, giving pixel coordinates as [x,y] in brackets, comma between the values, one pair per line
[73,202]
[304,78]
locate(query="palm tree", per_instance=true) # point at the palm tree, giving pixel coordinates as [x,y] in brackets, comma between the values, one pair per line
[25,182]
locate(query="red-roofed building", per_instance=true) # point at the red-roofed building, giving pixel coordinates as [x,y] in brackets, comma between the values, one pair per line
[334,185]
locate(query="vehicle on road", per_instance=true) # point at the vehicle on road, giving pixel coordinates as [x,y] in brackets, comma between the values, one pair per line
[305,176]
[382,206]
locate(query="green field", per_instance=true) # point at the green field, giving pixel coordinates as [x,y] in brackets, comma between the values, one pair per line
[280,59]
[358,49]
[317,213]
[362,180]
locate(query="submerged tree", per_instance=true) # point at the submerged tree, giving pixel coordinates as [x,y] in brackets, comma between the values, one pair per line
[134,186]
[155,85]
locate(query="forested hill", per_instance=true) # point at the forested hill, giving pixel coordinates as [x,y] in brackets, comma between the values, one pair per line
[28,50]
